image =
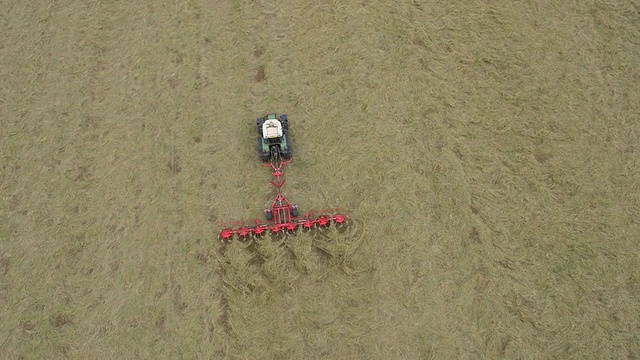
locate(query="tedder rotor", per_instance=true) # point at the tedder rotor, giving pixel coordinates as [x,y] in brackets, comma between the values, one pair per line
[274,149]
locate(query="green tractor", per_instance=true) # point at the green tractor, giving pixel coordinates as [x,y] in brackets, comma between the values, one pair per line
[274,140]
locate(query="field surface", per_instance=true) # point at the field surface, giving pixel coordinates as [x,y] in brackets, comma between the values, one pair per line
[488,150]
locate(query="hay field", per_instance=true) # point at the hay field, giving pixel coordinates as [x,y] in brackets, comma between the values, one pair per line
[488,150]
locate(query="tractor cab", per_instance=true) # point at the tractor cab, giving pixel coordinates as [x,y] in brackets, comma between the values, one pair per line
[271,129]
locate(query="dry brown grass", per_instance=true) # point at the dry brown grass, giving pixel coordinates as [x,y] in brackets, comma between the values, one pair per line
[488,151]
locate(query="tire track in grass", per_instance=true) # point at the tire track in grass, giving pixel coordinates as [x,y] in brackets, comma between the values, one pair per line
[223,318]
[211,64]
[269,27]
[193,64]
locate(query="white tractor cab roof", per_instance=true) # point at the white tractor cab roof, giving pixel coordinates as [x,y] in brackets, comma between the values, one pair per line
[271,129]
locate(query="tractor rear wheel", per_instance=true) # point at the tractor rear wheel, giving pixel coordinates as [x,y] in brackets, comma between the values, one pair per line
[288,152]
[264,156]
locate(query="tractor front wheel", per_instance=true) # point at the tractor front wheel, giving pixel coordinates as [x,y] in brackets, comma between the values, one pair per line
[259,123]
[284,120]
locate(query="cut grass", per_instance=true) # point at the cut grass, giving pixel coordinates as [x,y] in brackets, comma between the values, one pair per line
[488,152]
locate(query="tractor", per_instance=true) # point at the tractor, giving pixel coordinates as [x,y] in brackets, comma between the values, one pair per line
[274,137]
[274,149]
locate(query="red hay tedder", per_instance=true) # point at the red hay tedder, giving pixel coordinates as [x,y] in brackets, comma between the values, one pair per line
[274,148]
